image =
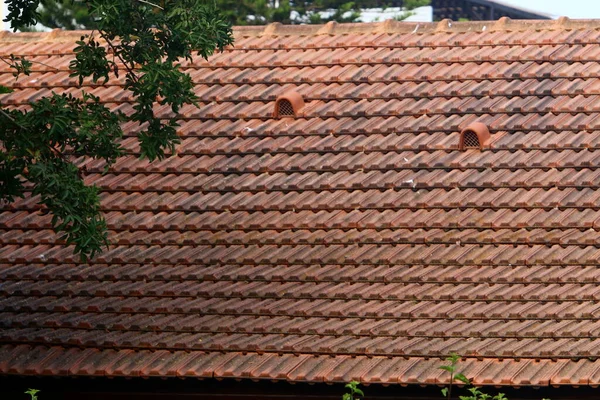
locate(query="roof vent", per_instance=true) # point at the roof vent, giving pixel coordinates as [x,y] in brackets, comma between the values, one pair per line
[474,136]
[288,104]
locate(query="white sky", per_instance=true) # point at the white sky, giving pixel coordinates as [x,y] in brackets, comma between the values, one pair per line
[587,9]
[3,12]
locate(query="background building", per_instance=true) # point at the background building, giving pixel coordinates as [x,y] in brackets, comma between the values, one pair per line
[481,10]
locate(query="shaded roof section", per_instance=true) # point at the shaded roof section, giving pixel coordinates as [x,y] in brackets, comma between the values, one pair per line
[354,242]
[478,10]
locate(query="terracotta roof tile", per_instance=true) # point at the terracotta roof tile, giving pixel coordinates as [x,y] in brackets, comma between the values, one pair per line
[356,242]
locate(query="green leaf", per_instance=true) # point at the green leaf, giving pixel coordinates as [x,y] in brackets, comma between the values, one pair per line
[38,144]
[453,358]
[462,378]
[32,393]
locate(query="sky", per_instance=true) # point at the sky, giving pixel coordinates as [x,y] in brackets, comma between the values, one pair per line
[572,8]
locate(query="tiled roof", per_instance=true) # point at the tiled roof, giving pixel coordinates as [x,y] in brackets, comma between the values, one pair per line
[355,241]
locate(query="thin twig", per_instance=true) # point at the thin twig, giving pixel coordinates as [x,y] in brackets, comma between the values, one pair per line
[33,62]
[6,62]
[151,4]
[11,118]
[7,115]
[44,64]
[115,51]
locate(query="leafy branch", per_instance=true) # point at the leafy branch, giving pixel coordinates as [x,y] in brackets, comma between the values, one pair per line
[38,145]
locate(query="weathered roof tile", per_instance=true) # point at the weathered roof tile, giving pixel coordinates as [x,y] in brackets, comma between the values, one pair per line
[356,242]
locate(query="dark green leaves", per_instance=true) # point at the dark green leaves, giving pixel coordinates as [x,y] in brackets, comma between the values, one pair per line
[21,13]
[90,60]
[143,41]
[75,207]
[20,65]
[158,138]
[38,146]
[11,168]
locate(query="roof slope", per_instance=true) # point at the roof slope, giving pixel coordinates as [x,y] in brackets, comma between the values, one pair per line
[355,242]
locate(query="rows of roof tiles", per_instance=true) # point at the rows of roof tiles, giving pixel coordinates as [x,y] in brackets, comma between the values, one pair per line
[477,94]
[339,57]
[480,311]
[365,102]
[440,254]
[334,233]
[35,360]
[392,150]
[536,236]
[409,122]
[391,199]
[391,190]
[560,122]
[519,274]
[425,345]
[333,181]
[571,218]
[382,81]
[384,291]
[390,326]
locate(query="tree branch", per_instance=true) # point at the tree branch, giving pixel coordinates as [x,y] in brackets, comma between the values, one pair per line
[44,64]
[33,62]
[118,54]
[151,4]
[9,117]
[4,61]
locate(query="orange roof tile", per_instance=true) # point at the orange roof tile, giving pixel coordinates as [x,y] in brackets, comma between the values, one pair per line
[354,241]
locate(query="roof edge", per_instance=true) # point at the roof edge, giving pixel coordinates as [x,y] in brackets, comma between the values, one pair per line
[334,28]
[392,26]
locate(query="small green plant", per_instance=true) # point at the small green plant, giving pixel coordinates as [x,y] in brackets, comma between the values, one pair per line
[453,358]
[474,392]
[32,393]
[477,394]
[354,393]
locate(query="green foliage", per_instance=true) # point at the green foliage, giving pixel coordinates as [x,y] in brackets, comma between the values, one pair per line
[353,393]
[22,13]
[38,145]
[453,358]
[69,14]
[475,393]
[90,60]
[32,393]
[20,65]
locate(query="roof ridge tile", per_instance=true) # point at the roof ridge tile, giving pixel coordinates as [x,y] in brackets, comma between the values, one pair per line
[333,28]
